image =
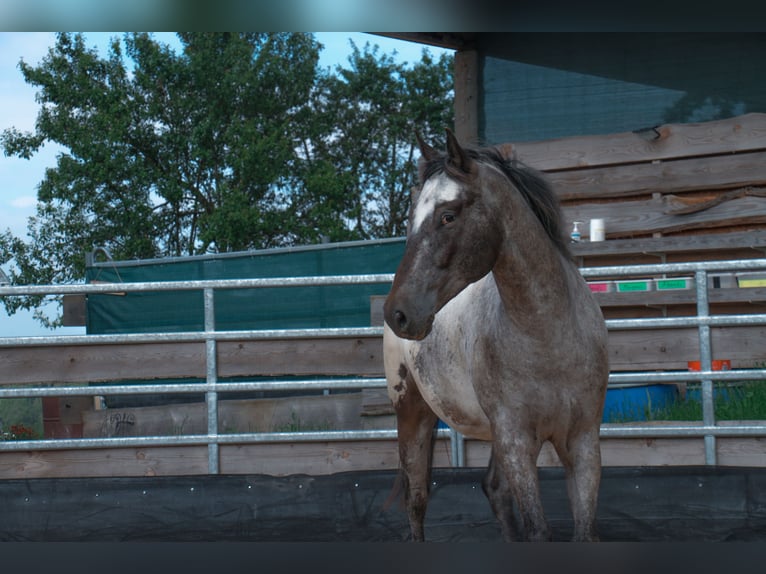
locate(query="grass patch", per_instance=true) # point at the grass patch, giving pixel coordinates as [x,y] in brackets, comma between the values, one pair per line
[22,412]
[746,401]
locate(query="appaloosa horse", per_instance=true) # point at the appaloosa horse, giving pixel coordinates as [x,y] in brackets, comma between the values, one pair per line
[491,328]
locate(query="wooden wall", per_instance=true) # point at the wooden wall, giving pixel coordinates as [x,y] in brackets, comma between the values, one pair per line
[676,179]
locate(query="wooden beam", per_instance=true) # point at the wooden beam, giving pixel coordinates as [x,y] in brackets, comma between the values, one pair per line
[361,356]
[280,459]
[709,245]
[354,356]
[467,96]
[337,356]
[671,176]
[646,216]
[672,349]
[449,40]
[744,133]
[94,363]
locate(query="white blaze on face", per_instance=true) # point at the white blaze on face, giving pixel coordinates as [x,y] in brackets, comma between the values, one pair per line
[436,190]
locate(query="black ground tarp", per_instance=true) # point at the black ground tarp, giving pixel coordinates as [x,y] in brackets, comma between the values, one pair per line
[636,504]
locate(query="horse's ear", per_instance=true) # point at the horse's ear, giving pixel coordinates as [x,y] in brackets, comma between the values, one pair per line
[426,151]
[456,155]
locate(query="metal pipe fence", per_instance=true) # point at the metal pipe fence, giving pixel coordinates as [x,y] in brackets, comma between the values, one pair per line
[212,387]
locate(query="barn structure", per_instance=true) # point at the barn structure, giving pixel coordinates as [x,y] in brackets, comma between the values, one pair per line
[661,136]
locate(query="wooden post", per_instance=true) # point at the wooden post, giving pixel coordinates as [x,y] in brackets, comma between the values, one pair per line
[467,96]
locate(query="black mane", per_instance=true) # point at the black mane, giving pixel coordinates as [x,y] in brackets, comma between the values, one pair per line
[534,188]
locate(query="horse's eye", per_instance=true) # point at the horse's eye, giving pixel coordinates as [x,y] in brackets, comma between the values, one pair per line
[447,218]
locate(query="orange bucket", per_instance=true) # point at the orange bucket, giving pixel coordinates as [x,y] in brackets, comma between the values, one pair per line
[718,365]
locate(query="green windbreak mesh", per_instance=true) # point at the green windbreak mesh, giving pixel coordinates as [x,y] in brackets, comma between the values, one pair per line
[542,86]
[272,308]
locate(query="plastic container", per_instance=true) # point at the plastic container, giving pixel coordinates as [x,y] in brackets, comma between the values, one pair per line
[601,286]
[634,402]
[674,283]
[717,364]
[722,281]
[597,232]
[751,279]
[637,285]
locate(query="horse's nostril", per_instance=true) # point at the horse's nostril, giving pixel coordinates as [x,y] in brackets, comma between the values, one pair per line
[401,319]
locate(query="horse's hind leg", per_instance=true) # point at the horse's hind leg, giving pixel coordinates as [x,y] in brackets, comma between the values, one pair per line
[581,458]
[415,427]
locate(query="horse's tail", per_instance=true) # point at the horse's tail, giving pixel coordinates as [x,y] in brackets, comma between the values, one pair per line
[398,491]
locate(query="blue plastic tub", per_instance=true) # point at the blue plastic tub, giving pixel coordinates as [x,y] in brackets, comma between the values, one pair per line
[633,402]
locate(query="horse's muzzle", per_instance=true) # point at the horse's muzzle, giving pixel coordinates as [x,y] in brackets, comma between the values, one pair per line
[403,327]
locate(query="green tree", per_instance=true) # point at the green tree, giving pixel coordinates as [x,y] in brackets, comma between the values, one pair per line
[236,141]
[376,104]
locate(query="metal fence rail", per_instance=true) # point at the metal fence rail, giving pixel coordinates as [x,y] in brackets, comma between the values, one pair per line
[212,388]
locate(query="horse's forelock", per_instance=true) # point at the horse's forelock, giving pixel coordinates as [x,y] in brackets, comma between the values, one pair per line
[534,188]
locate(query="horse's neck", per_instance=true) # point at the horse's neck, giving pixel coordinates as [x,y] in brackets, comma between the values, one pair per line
[532,275]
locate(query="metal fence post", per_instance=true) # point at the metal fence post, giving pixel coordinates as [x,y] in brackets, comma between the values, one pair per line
[706,363]
[211,370]
[457,448]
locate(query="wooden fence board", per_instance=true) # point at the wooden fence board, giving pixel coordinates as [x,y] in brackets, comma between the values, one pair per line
[316,459]
[152,461]
[309,458]
[684,247]
[680,297]
[93,363]
[670,176]
[739,134]
[342,411]
[651,349]
[671,349]
[649,216]
[362,356]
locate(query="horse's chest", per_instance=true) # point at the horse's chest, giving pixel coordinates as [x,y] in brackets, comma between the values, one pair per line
[445,368]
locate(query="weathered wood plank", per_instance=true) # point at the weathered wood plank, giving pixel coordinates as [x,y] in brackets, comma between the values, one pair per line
[153,461]
[296,413]
[731,451]
[309,458]
[679,297]
[466,84]
[361,356]
[708,244]
[740,134]
[376,402]
[629,350]
[671,349]
[317,459]
[671,176]
[93,363]
[750,451]
[631,218]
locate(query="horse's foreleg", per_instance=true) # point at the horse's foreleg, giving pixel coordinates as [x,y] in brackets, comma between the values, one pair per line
[415,425]
[582,464]
[498,491]
[516,458]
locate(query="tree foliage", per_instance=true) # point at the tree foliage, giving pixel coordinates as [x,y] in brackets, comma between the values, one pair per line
[236,141]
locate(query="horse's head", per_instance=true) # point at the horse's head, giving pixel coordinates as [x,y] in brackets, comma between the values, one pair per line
[452,239]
